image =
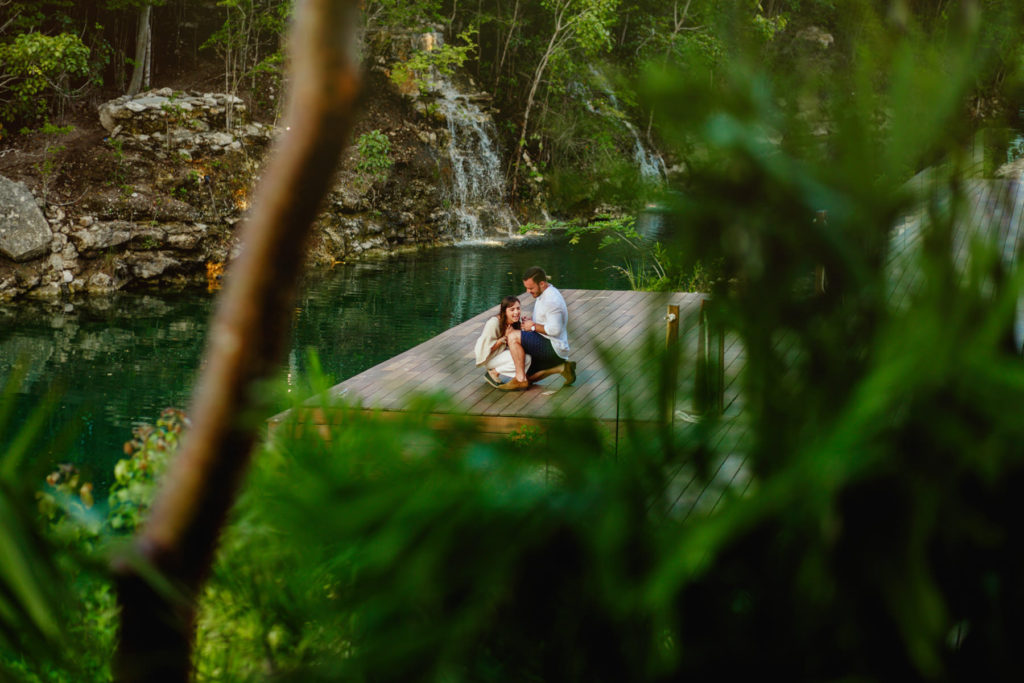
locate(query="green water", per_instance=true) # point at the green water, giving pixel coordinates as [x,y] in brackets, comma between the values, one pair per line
[117,362]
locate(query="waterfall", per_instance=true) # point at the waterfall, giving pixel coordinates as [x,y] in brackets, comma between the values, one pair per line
[648,162]
[477,200]
[477,207]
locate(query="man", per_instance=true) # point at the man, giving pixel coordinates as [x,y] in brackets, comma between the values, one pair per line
[545,337]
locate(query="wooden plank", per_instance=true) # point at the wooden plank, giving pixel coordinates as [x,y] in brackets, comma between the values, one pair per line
[1011,239]
[445,362]
[468,400]
[904,253]
[639,316]
[587,309]
[595,313]
[417,370]
[637,385]
[616,351]
[635,390]
[971,224]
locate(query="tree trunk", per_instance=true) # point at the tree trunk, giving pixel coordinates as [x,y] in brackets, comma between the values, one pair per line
[159,578]
[142,38]
[521,143]
[508,39]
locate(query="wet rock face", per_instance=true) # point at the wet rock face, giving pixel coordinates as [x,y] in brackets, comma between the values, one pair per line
[24,232]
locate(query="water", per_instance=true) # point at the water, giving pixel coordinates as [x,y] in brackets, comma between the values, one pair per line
[477,205]
[118,362]
[478,184]
[648,162]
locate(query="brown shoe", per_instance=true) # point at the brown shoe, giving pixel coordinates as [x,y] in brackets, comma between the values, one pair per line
[569,372]
[514,385]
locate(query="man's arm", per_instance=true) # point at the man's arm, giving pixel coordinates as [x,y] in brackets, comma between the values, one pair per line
[554,325]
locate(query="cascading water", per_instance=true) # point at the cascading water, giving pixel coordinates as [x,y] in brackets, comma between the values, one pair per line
[648,162]
[477,205]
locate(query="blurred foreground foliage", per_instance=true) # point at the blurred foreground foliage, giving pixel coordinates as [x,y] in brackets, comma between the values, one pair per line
[874,536]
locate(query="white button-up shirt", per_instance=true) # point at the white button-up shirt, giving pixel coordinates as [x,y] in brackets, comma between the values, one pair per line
[551,312]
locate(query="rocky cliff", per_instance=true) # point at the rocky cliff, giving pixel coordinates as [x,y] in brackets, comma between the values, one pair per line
[149,193]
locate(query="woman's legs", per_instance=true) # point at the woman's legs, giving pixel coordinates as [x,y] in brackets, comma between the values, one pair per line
[515,347]
[504,363]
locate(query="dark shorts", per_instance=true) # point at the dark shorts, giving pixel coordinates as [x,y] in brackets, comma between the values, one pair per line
[540,349]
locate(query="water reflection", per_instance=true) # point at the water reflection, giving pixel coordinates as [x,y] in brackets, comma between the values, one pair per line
[119,361]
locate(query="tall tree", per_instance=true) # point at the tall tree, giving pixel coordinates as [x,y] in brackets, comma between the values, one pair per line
[585,23]
[142,62]
[143,49]
[248,336]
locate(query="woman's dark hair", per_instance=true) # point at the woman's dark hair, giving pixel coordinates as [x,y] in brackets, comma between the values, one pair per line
[502,320]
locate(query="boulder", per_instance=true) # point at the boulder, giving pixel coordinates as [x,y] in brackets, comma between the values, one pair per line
[24,232]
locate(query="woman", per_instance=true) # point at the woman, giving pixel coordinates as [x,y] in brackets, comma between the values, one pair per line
[492,350]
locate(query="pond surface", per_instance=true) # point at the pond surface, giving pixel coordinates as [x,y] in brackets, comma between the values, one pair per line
[117,362]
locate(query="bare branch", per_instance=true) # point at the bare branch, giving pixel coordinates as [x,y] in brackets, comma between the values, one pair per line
[247,340]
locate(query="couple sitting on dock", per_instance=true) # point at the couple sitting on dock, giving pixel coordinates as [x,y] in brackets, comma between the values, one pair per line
[514,345]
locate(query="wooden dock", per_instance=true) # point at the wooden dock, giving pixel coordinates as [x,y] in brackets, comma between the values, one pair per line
[612,335]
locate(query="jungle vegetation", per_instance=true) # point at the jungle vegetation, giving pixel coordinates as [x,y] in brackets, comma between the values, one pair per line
[875,535]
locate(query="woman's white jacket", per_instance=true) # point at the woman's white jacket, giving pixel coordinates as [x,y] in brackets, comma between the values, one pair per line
[487,338]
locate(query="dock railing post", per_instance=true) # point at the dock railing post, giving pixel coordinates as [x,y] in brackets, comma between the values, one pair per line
[700,375]
[672,360]
[820,218]
[719,331]
[709,375]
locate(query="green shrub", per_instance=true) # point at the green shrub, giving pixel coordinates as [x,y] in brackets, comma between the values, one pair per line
[374,150]
[413,75]
[40,69]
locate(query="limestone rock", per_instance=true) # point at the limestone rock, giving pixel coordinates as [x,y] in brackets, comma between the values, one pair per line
[24,232]
[146,238]
[100,236]
[100,283]
[148,265]
[157,111]
[184,237]
[8,287]
[50,290]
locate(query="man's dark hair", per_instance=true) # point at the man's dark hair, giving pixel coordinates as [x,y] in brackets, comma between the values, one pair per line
[536,273]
